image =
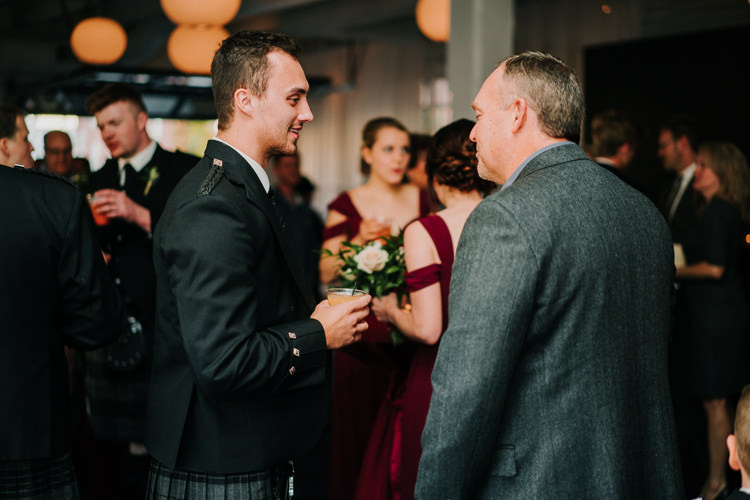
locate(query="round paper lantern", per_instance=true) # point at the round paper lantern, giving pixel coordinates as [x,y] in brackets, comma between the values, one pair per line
[209,12]
[191,48]
[98,40]
[434,19]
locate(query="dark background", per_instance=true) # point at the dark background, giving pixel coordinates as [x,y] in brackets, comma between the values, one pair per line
[703,74]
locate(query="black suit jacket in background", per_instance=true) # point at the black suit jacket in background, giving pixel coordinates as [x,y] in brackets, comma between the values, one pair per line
[54,290]
[239,380]
[130,245]
[684,217]
[117,400]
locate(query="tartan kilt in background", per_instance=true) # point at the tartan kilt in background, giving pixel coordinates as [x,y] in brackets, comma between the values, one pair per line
[165,484]
[39,479]
[116,400]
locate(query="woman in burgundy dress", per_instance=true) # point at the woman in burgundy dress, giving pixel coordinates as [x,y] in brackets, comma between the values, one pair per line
[371,373]
[430,246]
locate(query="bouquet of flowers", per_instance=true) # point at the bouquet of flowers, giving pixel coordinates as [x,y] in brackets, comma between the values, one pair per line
[377,268]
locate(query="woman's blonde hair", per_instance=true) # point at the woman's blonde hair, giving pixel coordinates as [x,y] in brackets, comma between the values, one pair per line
[730,166]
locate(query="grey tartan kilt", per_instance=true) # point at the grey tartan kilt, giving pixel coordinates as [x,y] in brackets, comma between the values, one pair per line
[39,479]
[166,484]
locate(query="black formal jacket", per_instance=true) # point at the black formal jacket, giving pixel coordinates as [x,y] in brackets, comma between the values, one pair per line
[54,290]
[684,217]
[239,380]
[130,246]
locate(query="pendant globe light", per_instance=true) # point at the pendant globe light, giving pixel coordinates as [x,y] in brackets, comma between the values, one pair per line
[196,12]
[434,19]
[191,48]
[98,40]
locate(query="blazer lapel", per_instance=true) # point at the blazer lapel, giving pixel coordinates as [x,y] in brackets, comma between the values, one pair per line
[256,195]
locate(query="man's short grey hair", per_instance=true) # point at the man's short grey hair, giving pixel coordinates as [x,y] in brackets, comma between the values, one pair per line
[551,89]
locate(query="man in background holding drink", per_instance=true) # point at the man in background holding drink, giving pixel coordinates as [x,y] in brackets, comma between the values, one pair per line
[129,192]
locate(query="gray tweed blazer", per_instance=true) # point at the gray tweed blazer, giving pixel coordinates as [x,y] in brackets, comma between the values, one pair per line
[551,379]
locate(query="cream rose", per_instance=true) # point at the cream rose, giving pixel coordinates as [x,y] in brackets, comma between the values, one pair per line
[371,258]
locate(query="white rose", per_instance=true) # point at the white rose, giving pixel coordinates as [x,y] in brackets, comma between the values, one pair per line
[371,258]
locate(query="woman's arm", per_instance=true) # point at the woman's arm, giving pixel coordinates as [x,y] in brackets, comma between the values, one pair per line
[701,270]
[329,267]
[424,320]
[369,229]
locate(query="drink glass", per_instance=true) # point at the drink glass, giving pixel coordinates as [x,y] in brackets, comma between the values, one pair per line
[341,295]
[99,218]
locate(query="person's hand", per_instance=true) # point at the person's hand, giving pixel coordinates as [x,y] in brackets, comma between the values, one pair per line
[370,229]
[115,204]
[382,307]
[343,323]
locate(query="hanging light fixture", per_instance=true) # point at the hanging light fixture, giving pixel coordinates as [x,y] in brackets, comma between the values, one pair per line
[191,48]
[98,40]
[195,12]
[434,19]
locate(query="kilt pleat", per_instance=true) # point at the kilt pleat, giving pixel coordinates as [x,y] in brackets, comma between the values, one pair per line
[166,484]
[38,479]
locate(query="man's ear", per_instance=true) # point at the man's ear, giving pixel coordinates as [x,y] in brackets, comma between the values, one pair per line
[683,144]
[244,101]
[520,114]
[141,119]
[4,147]
[734,456]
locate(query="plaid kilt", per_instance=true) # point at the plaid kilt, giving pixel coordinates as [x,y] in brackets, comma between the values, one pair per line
[165,484]
[116,400]
[38,479]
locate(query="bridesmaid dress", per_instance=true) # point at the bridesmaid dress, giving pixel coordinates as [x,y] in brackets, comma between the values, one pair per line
[366,376]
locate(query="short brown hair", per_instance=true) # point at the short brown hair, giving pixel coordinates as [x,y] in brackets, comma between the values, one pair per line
[112,93]
[742,427]
[8,115]
[241,62]
[610,130]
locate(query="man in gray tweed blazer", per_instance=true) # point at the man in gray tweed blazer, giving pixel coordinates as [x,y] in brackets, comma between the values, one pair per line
[551,379]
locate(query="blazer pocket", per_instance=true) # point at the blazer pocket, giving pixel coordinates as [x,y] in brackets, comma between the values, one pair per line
[503,462]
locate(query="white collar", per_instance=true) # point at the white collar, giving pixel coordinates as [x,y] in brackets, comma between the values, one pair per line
[687,172]
[140,159]
[605,161]
[259,171]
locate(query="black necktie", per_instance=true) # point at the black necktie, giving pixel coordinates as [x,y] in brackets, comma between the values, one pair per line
[133,186]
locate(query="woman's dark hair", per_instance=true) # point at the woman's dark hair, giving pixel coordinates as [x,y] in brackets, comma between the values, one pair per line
[452,159]
[370,135]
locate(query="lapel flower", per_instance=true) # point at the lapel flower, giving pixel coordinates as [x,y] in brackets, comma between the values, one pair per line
[153,176]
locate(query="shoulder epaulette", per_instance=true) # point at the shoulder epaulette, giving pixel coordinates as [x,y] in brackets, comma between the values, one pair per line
[44,173]
[212,179]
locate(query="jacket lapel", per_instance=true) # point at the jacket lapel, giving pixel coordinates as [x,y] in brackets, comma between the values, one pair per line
[256,195]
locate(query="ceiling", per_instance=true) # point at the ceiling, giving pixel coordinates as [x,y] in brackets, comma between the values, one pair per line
[39,71]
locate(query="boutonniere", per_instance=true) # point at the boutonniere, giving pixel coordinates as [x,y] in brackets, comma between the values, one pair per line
[153,176]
